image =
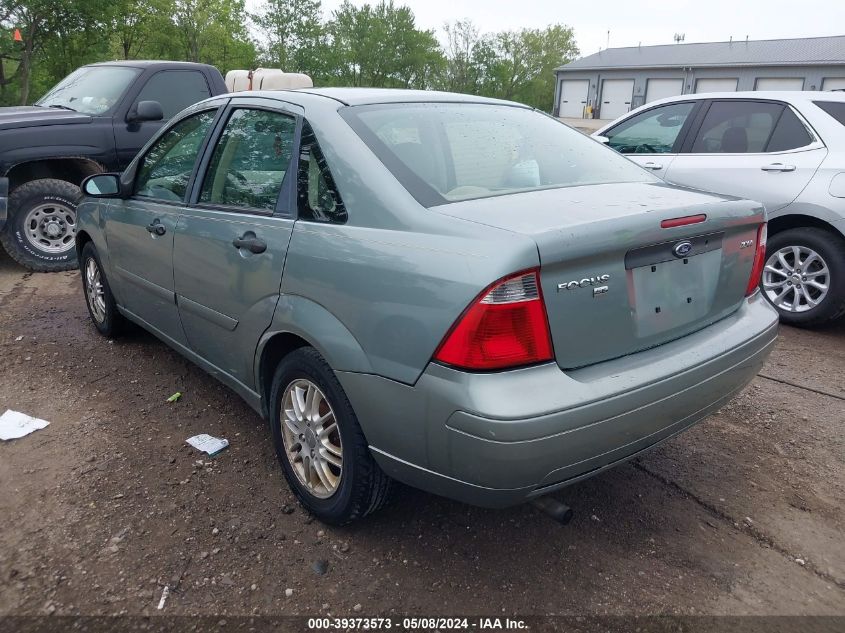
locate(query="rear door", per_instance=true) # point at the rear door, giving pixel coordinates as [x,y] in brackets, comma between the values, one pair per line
[759,150]
[140,229]
[232,240]
[653,138]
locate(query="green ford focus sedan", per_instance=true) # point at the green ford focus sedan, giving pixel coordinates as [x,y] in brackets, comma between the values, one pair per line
[457,293]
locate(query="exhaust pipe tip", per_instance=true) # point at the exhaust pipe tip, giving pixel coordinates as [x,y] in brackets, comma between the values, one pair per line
[558,511]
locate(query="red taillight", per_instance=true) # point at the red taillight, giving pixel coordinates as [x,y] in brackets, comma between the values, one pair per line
[759,261]
[505,326]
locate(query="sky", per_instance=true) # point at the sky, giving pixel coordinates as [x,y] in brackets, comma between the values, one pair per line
[632,22]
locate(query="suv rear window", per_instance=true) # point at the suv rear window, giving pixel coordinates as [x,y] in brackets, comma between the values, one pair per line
[836,109]
[446,152]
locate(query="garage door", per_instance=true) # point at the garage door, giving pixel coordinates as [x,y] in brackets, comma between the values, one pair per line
[779,83]
[659,88]
[833,83]
[715,85]
[616,97]
[573,97]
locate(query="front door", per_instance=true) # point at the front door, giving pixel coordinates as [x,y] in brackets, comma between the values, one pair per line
[231,244]
[759,150]
[140,230]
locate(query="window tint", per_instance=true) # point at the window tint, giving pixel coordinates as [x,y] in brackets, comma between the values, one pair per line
[445,152]
[790,133]
[250,160]
[652,132]
[317,196]
[166,168]
[175,90]
[736,127]
[836,109]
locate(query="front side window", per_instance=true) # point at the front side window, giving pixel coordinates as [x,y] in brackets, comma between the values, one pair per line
[446,152]
[175,90]
[737,127]
[317,196]
[652,132]
[166,168]
[250,160]
[90,89]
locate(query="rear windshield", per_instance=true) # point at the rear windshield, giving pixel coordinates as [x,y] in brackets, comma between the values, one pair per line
[446,152]
[836,109]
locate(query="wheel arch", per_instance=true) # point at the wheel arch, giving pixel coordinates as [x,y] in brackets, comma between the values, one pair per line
[783,223]
[300,322]
[72,169]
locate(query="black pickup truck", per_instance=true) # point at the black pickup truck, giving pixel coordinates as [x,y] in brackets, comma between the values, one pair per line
[94,120]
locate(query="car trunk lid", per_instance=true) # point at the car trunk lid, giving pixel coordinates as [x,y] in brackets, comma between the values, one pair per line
[614,280]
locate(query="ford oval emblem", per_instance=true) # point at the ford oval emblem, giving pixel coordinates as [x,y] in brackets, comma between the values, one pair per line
[682,249]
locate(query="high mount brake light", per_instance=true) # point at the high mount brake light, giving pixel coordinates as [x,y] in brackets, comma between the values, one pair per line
[504,327]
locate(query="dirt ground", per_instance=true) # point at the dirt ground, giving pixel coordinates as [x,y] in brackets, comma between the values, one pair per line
[107,505]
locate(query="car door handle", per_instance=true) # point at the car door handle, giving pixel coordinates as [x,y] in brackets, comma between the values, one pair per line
[652,165]
[156,228]
[778,167]
[250,243]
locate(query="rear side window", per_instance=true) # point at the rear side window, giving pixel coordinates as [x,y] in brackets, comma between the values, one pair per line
[317,196]
[652,132]
[737,127]
[790,133]
[250,160]
[175,90]
[446,152]
[836,109]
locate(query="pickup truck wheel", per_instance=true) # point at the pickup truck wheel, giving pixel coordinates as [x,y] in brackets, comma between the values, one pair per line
[323,452]
[804,276]
[41,229]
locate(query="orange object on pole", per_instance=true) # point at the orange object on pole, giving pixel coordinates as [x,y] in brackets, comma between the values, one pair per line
[18,37]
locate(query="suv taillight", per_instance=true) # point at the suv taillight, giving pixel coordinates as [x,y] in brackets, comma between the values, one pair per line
[505,327]
[759,261]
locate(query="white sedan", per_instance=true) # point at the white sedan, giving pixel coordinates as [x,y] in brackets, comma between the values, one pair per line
[785,149]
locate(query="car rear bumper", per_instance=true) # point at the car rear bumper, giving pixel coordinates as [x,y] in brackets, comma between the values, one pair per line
[4,201]
[499,439]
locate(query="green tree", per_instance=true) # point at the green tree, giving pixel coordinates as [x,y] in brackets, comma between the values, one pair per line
[295,34]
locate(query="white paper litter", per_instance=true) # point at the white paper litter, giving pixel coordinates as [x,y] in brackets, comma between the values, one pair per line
[14,424]
[209,444]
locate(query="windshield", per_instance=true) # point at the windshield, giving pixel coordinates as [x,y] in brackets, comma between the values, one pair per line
[90,89]
[445,152]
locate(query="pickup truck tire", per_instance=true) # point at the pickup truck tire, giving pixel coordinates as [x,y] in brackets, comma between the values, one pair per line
[804,276]
[41,229]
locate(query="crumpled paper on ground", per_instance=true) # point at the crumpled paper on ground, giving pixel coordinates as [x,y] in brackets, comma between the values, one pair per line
[14,424]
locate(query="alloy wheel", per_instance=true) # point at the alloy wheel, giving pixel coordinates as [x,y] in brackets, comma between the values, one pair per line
[94,291]
[311,438]
[796,279]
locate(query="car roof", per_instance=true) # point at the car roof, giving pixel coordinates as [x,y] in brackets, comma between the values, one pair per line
[790,96]
[371,96]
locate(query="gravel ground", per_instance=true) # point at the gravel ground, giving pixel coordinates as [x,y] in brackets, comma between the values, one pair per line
[108,505]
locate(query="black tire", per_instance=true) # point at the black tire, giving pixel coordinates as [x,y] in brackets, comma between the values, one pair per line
[363,487]
[112,323]
[15,238]
[831,248]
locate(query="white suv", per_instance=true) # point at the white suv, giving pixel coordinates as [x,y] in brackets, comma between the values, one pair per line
[785,149]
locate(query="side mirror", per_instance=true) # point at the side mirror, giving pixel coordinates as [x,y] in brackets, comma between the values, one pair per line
[102,186]
[145,111]
[602,139]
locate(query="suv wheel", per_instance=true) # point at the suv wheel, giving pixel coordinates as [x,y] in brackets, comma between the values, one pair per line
[322,450]
[98,296]
[804,276]
[41,230]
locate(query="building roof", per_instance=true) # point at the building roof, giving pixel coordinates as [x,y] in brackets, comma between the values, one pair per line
[804,51]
